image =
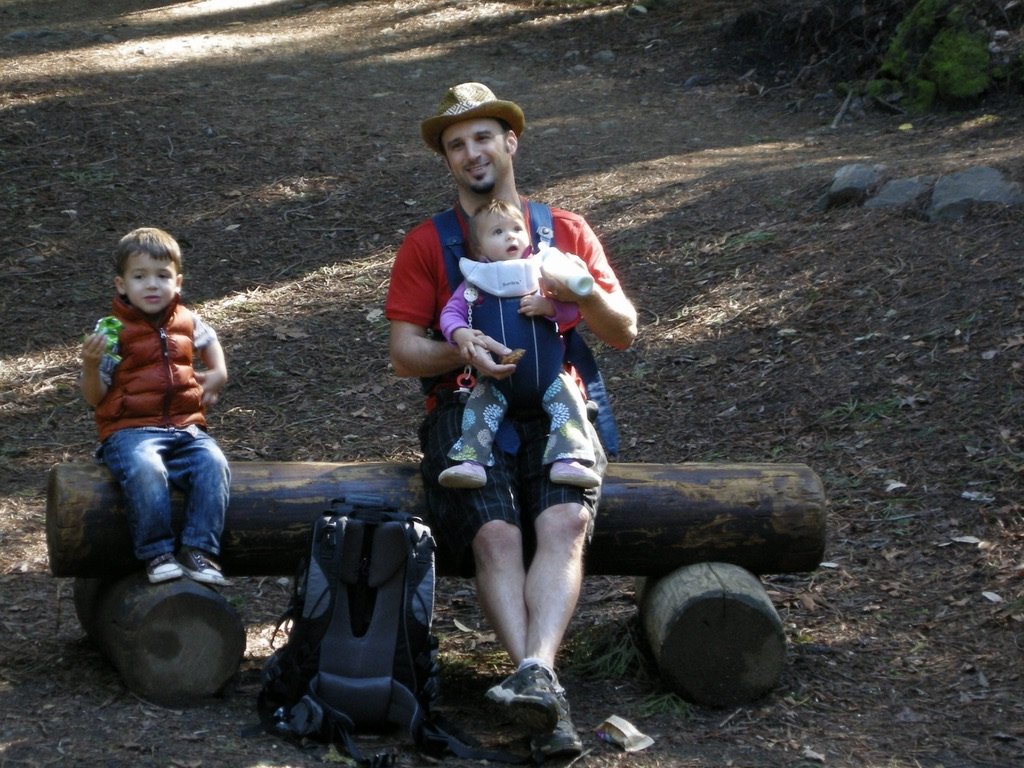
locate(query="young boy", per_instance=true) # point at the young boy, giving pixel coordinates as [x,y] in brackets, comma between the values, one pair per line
[150,404]
[502,285]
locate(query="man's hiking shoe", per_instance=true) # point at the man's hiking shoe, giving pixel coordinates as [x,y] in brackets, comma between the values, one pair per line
[574,473]
[564,741]
[199,567]
[534,698]
[163,568]
[466,475]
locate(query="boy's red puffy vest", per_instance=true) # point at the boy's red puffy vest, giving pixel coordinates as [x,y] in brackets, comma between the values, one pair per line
[154,385]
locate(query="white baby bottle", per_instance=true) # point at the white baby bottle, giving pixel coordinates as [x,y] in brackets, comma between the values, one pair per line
[557,267]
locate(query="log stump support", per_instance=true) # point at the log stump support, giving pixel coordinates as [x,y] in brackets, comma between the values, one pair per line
[714,633]
[172,643]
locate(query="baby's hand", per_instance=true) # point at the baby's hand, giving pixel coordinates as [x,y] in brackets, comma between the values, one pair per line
[481,351]
[469,342]
[535,305]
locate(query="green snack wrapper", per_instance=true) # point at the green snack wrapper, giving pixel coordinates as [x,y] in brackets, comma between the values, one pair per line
[110,327]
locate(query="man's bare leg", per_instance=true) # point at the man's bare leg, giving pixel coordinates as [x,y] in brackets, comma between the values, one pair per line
[530,611]
[500,581]
[534,621]
[554,579]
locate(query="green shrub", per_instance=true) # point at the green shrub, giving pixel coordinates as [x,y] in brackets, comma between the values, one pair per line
[957,62]
[937,53]
[922,94]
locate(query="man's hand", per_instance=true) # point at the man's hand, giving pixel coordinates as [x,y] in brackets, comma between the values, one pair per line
[560,267]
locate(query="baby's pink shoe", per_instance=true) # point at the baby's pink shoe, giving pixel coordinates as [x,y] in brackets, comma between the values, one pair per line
[574,473]
[468,474]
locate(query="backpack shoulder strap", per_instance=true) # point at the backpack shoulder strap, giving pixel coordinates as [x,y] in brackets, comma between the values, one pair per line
[453,247]
[540,220]
[576,350]
[438,739]
[449,233]
[578,353]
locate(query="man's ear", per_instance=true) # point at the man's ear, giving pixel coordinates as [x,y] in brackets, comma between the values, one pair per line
[511,142]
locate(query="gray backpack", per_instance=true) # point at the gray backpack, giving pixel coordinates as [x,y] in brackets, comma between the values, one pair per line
[360,654]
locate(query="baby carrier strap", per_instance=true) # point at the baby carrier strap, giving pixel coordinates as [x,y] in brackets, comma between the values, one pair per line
[577,352]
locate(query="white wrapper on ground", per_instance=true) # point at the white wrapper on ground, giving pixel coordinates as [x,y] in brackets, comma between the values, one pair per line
[622,733]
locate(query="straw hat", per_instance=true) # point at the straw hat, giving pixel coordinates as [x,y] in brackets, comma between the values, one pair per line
[466,102]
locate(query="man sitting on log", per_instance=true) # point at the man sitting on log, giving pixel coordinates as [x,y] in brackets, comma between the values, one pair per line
[528,600]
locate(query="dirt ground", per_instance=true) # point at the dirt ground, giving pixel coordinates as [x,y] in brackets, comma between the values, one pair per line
[279,142]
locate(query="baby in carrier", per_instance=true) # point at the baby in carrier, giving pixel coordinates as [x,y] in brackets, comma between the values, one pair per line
[501,297]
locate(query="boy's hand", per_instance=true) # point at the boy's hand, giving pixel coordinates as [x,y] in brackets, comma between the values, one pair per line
[215,375]
[93,349]
[212,382]
[110,328]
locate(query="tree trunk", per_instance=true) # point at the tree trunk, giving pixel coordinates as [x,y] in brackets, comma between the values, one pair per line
[173,643]
[653,518]
[714,633]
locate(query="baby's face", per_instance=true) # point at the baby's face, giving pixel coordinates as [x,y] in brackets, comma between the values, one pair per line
[502,238]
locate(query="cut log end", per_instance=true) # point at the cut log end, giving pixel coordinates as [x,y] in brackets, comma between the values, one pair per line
[715,634]
[173,643]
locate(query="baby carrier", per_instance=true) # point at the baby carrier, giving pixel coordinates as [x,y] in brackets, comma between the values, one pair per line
[576,352]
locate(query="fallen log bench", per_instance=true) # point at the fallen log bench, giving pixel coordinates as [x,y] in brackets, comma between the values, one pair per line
[698,534]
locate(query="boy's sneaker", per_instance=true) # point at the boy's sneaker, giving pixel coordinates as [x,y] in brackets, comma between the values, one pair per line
[199,567]
[163,568]
[564,741]
[574,473]
[534,697]
[468,474]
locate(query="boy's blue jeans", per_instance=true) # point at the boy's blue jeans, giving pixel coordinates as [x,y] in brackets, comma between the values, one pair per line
[147,462]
